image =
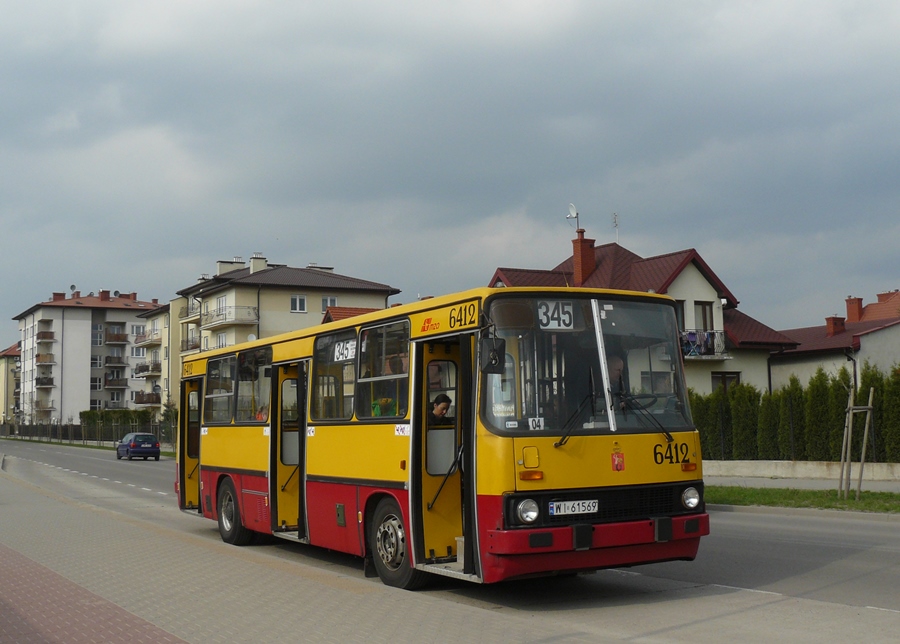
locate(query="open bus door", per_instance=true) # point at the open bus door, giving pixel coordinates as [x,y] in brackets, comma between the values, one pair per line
[288,462]
[446,371]
[189,445]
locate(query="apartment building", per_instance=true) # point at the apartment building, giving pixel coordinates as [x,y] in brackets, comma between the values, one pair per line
[77,353]
[249,300]
[10,386]
[242,301]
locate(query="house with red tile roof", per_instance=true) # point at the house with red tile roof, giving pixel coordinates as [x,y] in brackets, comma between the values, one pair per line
[869,333]
[720,344]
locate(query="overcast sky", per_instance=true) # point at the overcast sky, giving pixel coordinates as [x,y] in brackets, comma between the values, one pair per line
[424,144]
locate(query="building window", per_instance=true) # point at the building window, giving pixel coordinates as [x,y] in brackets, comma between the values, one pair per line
[96,384]
[679,314]
[328,301]
[298,304]
[725,379]
[96,406]
[137,329]
[97,338]
[221,340]
[138,352]
[703,316]
[96,362]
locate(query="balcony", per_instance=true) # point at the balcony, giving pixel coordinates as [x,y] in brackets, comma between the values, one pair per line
[151,338]
[228,316]
[145,369]
[44,382]
[699,344]
[44,405]
[147,398]
[45,358]
[115,383]
[114,404]
[115,361]
[45,336]
[189,311]
[116,338]
[191,344]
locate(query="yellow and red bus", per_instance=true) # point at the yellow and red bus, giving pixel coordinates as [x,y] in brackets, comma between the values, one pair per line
[567,444]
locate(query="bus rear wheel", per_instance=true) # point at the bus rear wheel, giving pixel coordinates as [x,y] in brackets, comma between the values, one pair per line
[230,526]
[390,548]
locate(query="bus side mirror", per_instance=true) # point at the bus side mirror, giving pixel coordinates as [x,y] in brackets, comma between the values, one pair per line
[493,355]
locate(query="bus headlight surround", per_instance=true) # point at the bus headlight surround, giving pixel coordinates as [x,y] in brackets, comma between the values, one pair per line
[527,511]
[690,498]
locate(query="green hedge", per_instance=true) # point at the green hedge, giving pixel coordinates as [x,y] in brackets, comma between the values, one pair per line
[801,423]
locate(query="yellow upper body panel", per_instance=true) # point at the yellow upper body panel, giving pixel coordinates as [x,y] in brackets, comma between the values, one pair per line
[534,463]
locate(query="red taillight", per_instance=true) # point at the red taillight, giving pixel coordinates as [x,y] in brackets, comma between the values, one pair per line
[133,445]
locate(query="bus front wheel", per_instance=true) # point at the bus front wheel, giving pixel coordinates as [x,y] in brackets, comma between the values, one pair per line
[390,548]
[230,526]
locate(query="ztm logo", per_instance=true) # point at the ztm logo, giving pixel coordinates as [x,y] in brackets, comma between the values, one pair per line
[618,462]
[428,325]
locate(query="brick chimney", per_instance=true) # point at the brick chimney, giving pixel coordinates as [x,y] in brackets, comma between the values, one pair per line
[833,326]
[884,297]
[104,296]
[854,309]
[57,297]
[583,258]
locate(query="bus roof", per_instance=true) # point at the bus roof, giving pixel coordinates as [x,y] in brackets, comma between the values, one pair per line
[410,309]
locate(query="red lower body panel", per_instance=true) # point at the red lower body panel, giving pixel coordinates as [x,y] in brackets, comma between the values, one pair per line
[532,551]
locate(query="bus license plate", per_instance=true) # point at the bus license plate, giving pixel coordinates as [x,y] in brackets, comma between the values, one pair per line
[559,508]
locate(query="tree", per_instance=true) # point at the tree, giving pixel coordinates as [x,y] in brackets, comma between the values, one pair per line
[871,377]
[838,397]
[890,428]
[792,422]
[744,401]
[767,428]
[817,417]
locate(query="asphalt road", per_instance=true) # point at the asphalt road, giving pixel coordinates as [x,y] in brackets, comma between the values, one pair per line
[763,575]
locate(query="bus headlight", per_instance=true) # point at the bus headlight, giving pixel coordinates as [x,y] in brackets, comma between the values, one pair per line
[690,498]
[527,511]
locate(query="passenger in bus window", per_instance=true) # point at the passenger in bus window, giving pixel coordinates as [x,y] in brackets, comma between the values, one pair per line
[439,408]
[263,413]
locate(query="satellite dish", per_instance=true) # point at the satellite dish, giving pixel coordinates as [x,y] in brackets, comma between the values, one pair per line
[72,287]
[115,294]
[573,214]
[251,338]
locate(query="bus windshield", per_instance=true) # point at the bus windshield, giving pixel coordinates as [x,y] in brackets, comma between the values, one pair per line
[585,366]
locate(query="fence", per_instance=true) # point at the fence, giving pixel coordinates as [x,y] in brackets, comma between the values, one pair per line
[86,434]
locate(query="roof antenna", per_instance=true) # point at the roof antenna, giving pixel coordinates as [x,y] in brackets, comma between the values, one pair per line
[573,214]
[616,226]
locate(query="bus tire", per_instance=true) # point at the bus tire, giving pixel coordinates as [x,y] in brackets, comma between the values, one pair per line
[390,548]
[230,526]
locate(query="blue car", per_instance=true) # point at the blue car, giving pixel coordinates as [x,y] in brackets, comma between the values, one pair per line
[138,445]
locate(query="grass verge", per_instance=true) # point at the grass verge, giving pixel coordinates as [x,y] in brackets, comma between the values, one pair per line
[885,502]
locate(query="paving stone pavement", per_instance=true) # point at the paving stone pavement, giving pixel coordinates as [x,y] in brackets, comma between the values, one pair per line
[68,574]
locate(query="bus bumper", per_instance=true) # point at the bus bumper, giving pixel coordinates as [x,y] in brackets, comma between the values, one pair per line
[524,552]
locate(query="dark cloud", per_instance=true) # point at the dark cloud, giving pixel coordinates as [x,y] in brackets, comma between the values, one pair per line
[423,145]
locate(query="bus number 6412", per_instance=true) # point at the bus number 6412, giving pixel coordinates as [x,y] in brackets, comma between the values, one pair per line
[671,453]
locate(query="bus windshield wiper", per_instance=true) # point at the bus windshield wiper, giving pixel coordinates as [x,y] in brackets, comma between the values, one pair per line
[630,402]
[572,421]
